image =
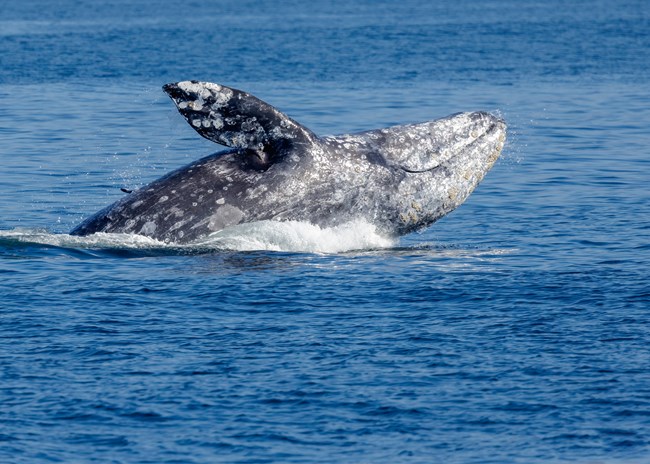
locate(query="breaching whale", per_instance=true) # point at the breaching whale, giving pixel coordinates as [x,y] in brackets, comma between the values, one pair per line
[400,179]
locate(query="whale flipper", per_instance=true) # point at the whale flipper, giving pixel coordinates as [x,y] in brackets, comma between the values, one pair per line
[237,119]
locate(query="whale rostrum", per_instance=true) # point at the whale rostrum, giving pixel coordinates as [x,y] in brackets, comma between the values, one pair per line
[400,179]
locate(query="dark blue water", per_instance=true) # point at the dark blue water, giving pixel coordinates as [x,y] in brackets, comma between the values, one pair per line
[517,329]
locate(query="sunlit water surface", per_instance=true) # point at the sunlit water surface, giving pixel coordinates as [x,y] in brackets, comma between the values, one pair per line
[514,330]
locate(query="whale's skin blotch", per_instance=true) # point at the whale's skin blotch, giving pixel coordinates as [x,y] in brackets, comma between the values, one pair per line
[400,178]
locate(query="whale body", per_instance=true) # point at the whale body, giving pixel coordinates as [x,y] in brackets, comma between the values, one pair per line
[400,179]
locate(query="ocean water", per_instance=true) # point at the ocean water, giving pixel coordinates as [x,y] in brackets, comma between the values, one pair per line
[514,330]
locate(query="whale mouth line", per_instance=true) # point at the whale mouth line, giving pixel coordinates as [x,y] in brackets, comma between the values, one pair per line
[420,171]
[489,131]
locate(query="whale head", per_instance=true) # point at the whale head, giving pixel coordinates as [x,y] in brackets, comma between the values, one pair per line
[414,174]
[444,161]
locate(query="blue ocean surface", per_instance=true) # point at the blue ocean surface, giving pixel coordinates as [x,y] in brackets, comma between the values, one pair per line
[514,330]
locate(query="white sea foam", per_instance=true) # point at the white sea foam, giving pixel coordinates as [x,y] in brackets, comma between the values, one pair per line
[98,240]
[292,236]
[298,236]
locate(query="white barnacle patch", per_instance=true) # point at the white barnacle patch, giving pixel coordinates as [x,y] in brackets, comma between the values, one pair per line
[249,124]
[276,132]
[196,122]
[136,204]
[147,228]
[257,191]
[163,199]
[198,88]
[196,105]
[213,87]
[177,225]
[224,216]
[216,120]
[221,95]
[220,201]
[176,211]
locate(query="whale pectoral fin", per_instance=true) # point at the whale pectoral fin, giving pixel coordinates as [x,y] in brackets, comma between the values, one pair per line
[236,119]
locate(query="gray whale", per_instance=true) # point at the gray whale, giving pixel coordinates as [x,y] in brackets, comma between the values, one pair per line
[400,179]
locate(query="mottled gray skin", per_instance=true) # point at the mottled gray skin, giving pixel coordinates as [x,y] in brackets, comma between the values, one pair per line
[400,179]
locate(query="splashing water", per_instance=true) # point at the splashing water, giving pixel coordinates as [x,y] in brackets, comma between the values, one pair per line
[290,236]
[298,236]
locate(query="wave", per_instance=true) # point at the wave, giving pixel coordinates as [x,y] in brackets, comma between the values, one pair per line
[289,236]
